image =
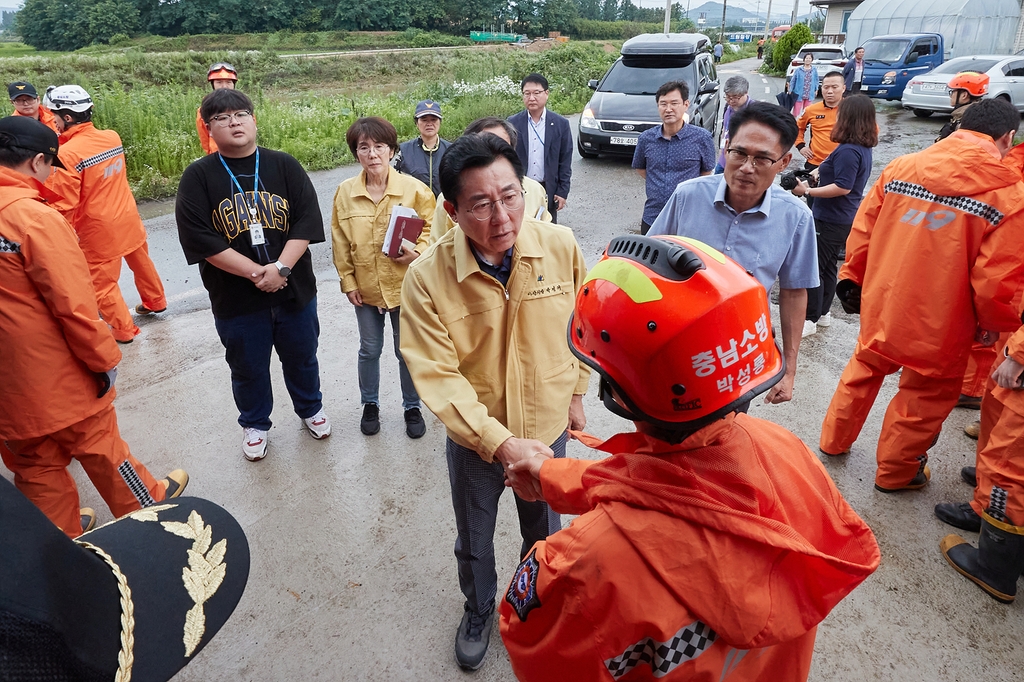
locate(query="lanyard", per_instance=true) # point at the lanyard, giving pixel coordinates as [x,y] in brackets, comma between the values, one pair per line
[534,128]
[253,212]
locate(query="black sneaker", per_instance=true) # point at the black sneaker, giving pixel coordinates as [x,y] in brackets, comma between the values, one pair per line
[472,639]
[959,515]
[970,475]
[415,427]
[370,423]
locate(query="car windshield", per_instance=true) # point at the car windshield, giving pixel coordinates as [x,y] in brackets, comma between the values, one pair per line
[965,64]
[885,50]
[640,79]
[823,55]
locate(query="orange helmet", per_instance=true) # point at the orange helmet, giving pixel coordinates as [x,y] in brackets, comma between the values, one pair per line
[976,84]
[222,71]
[678,332]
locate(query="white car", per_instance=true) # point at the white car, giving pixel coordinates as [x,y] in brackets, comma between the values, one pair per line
[929,93]
[827,58]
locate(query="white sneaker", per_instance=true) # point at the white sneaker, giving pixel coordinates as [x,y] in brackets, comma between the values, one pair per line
[319,426]
[825,320]
[254,444]
[809,328]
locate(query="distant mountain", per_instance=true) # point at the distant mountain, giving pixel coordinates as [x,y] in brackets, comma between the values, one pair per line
[735,15]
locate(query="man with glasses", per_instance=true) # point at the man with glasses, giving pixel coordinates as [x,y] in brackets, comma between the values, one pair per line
[736,98]
[26,103]
[246,215]
[759,225]
[544,144]
[484,314]
[672,152]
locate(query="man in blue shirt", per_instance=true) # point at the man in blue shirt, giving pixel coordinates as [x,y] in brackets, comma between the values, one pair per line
[762,227]
[672,152]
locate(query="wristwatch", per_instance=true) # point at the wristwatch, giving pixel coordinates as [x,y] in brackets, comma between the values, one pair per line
[283,269]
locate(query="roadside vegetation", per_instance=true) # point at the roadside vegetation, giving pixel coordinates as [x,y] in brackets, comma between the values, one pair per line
[304,106]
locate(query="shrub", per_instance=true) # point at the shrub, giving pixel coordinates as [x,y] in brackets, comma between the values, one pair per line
[789,44]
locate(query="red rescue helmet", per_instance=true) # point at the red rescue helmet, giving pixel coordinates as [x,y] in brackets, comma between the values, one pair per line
[678,332]
[976,84]
[222,71]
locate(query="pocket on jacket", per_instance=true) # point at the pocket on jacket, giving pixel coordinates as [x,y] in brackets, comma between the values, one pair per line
[553,384]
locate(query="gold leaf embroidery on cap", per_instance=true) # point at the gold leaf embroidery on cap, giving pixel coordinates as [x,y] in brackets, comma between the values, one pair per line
[203,575]
[149,513]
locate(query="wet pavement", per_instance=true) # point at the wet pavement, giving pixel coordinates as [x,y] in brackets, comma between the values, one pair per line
[353,576]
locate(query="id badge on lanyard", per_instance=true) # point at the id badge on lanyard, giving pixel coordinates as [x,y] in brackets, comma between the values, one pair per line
[256,228]
[256,235]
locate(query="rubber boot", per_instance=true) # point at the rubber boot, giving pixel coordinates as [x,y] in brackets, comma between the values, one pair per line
[997,562]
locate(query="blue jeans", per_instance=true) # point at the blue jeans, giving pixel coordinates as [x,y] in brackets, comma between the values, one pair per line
[248,340]
[371,343]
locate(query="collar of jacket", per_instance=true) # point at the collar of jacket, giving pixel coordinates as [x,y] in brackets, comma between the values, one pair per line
[980,139]
[642,443]
[75,130]
[392,188]
[15,185]
[526,246]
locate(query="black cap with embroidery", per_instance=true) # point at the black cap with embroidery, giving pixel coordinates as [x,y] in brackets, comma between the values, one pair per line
[32,135]
[138,598]
[18,88]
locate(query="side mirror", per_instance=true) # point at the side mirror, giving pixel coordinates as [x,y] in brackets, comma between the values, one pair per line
[592,84]
[912,58]
[708,88]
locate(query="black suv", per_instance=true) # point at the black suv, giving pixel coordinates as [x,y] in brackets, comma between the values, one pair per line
[624,105]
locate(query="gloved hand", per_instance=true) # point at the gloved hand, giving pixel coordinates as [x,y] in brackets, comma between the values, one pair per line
[848,293]
[106,381]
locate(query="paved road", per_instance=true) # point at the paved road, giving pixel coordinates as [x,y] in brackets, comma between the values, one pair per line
[353,576]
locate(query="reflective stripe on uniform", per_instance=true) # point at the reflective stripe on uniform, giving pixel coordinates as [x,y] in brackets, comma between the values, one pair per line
[99,158]
[966,204]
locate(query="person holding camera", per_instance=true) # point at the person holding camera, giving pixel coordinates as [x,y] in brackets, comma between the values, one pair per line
[839,189]
[818,119]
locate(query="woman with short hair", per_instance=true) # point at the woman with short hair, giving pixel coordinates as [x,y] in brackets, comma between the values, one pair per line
[369,277]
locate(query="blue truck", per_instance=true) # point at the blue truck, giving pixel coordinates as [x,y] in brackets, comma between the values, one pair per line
[890,62]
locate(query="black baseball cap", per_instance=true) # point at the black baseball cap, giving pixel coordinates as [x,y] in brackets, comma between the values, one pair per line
[18,88]
[32,135]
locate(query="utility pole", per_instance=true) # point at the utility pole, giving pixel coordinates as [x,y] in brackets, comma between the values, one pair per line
[757,15]
[721,36]
[668,15]
[767,20]
[796,7]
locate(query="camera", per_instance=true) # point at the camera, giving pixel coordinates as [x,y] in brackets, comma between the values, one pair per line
[789,179]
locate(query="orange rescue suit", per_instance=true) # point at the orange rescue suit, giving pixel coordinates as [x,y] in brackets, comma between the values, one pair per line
[205,141]
[712,559]
[46,117]
[821,120]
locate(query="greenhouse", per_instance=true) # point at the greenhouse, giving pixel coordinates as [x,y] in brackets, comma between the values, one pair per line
[969,27]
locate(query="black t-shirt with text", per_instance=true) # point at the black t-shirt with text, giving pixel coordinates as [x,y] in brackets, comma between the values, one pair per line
[212,215]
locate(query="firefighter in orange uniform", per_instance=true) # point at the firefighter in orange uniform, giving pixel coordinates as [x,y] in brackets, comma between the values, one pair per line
[710,544]
[26,103]
[220,76]
[997,509]
[951,209]
[96,199]
[56,399]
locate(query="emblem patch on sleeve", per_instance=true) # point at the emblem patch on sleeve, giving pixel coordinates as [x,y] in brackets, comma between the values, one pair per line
[522,591]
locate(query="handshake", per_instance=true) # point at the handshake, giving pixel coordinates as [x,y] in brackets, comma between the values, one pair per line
[522,459]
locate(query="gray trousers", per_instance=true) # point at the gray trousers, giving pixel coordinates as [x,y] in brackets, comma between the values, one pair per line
[476,488]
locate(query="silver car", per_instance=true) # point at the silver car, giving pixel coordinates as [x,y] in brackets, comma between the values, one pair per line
[827,58]
[929,93]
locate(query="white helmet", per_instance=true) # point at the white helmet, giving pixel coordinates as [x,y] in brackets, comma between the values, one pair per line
[72,97]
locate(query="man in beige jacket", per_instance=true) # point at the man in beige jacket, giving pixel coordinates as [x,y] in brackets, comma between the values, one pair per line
[484,316]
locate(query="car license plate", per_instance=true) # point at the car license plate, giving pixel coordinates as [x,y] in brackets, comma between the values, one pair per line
[631,141]
[932,87]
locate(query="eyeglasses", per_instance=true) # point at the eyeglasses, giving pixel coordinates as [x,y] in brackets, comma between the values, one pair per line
[222,120]
[380,149]
[529,94]
[758,162]
[512,201]
[734,98]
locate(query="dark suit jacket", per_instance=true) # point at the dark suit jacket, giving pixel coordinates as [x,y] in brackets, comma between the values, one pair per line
[557,151]
[849,71]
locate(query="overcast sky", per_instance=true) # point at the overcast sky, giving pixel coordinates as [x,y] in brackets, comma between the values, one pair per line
[778,6]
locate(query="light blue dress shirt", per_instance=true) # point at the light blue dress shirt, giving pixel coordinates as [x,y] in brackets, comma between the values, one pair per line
[535,156]
[773,240]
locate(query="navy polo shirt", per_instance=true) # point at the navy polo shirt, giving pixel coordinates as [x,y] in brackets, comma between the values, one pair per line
[669,161]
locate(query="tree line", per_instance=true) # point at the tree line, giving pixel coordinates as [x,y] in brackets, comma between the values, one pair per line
[72,24]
